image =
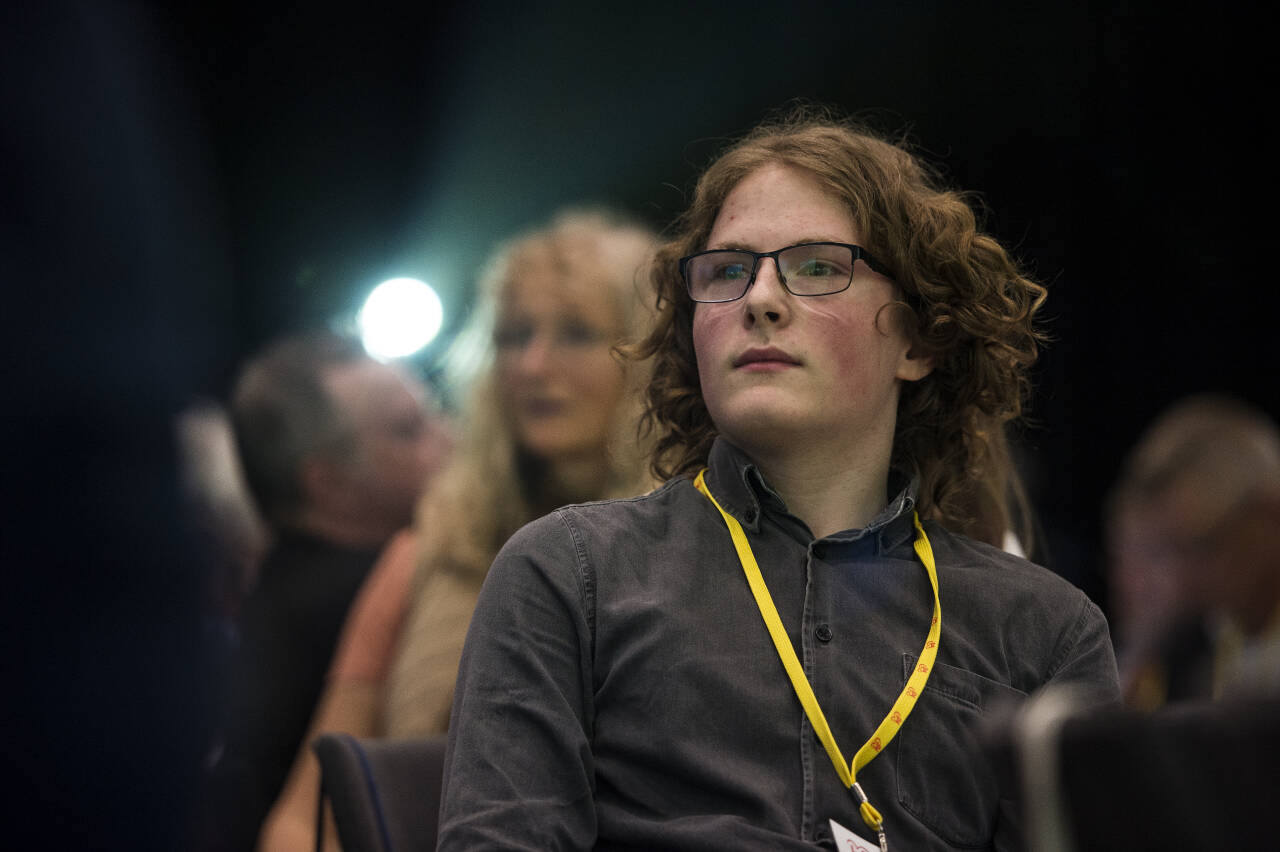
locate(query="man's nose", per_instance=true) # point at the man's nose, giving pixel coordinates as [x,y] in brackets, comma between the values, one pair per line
[767,299]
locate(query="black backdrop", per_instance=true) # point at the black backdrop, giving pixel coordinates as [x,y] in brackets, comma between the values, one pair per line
[182,182]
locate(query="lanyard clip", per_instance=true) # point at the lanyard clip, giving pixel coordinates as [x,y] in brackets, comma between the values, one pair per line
[870,815]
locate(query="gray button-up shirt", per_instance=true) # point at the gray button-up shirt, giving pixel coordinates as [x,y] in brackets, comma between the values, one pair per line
[619,688]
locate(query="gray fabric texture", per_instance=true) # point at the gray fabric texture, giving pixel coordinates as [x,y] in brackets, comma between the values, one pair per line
[619,689]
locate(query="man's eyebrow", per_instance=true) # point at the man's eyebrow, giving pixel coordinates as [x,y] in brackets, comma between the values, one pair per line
[738,246]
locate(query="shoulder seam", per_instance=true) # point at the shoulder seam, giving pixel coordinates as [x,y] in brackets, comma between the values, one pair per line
[585,575]
[1074,630]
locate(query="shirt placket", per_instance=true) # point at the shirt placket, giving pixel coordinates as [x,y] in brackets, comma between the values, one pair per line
[809,753]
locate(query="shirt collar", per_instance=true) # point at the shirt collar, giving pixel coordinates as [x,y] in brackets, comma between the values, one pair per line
[740,488]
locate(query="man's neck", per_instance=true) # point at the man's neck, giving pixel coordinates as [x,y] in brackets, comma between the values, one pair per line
[829,490]
[344,532]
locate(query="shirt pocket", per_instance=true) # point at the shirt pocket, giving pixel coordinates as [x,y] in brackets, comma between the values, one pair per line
[943,777]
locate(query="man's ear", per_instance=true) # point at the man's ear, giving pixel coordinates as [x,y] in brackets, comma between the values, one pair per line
[914,366]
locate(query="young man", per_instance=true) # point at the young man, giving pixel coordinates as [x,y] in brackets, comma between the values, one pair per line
[746,656]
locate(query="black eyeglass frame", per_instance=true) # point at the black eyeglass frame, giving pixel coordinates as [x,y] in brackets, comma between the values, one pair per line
[859,253]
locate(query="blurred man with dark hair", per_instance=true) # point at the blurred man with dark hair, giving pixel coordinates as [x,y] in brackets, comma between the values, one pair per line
[1195,556]
[335,444]
[336,449]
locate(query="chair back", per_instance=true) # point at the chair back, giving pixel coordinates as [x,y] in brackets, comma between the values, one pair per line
[385,794]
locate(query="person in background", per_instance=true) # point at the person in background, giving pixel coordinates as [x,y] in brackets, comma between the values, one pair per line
[552,420]
[224,522]
[1195,557]
[836,351]
[336,448]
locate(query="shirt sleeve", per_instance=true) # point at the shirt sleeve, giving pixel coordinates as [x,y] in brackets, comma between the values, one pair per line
[1085,659]
[519,772]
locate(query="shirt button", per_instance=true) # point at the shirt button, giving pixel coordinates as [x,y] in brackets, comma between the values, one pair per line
[820,551]
[823,633]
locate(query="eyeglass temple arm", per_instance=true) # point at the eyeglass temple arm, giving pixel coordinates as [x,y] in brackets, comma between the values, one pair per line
[876,266]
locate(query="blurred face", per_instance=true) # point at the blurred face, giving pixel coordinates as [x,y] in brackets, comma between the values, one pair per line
[401,441]
[1149,576]
[557,377]
[778,369]
[1188,551]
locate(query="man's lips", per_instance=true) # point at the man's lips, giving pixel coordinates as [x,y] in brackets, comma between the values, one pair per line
[768,356]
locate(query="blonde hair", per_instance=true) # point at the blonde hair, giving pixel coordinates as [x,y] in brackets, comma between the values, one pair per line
[490,489]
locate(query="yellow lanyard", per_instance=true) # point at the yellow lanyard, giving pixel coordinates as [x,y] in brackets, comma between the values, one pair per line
[901,708]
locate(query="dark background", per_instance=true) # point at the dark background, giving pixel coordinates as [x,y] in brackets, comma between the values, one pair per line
[183,182]
[1114,145]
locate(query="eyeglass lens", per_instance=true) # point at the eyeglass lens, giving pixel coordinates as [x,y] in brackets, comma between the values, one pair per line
[807,270]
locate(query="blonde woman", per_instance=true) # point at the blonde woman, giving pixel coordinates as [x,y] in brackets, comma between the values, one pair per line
[551,421]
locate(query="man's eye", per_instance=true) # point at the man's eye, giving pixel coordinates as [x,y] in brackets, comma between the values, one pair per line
[731,272]
[814,268]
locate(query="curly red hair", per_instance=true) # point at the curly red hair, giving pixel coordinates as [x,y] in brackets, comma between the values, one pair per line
[964,302]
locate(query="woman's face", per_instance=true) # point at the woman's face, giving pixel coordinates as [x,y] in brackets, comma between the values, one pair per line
[558,379]
[777,369]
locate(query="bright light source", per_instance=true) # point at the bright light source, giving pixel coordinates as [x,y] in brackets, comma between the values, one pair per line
[400,317]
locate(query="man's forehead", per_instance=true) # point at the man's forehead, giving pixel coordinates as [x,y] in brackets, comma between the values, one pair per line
[364,385]
[1188,508]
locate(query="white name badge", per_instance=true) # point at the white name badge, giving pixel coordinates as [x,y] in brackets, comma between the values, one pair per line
[847,841]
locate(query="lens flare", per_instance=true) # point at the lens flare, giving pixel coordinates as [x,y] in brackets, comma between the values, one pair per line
[400,317]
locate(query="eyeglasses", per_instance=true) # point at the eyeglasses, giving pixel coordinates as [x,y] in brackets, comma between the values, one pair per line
[808,269]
